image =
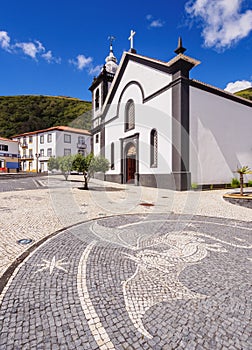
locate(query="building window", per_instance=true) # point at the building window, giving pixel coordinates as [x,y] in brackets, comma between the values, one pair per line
[97,99]
[49,138]
[49,152]
[24,141]
[4,148]
[129,115]
[81,139]
[42,152]
[30,139]
[112,155]
[97,138]
[67,151]
[30,153]
[41,138]
[67,138]
[154,148]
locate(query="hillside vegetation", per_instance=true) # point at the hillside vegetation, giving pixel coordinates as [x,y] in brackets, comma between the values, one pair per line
[247,93]
[19,114]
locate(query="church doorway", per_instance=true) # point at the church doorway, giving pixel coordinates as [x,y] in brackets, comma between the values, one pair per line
[130,163]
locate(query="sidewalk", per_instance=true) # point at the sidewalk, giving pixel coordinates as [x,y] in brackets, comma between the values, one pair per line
[174,274]
[38,213]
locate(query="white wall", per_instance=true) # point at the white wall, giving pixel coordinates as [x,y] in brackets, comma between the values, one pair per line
[221,137]
[156,113]
[12,146]
[57,145]
[61,144]
[97,145]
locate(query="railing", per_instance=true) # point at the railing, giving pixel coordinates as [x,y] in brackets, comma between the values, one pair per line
[81,145]
[27,156]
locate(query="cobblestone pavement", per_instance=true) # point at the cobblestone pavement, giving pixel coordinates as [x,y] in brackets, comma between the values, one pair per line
[142,281]
[139,281]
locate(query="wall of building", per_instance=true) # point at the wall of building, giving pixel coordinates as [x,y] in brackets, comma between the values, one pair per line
[220,137]
[9,156]
[137,83]
[62,146]
[46,144]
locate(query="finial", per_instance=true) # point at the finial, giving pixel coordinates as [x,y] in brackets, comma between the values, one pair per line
[111,39]
[180,48]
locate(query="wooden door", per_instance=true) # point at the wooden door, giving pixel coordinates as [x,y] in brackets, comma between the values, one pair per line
[131,169]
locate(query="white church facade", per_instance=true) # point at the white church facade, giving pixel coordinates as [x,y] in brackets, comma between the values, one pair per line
[159,128]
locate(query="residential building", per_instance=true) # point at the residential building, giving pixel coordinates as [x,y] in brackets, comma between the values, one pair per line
[38,146]
[9,156]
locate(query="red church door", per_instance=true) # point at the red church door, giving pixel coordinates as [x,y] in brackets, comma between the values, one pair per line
[131,169]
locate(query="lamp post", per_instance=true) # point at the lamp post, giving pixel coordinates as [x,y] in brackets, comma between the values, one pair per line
[37,155]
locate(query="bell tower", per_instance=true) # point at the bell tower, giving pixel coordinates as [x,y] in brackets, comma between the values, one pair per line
[99,88]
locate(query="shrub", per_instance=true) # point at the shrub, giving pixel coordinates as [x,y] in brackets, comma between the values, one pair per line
[235,183]
[249,183]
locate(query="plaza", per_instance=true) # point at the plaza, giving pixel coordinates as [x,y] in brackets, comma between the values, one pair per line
[122,267]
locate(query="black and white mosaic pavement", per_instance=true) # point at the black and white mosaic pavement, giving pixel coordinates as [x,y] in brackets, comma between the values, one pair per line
[134,282]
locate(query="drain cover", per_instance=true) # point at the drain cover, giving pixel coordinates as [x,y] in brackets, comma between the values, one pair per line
[25,241]
[147,204]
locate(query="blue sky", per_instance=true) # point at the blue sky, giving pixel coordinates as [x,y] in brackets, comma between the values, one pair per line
[56,47]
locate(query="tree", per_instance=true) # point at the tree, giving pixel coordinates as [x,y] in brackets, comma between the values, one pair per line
[97,164]
[65,165]
[243,171]
[53,163]
[89,165]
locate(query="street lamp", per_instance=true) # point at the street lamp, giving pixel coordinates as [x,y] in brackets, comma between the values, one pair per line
[37,155]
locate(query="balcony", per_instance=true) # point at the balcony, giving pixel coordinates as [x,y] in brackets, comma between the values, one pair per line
[81,145]
[24,145]
[27,157]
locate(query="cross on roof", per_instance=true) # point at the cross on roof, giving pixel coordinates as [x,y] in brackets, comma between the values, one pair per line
[132,33]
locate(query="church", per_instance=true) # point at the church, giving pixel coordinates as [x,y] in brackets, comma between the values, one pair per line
[160,128]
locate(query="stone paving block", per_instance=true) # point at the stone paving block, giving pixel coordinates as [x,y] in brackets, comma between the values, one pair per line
[139,287]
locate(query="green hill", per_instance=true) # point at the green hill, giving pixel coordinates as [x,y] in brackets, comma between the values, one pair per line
[19,114]
[247,93]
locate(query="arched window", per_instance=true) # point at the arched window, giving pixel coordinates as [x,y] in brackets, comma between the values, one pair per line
[97,99]
[154,148]
[129,115]
[112,156]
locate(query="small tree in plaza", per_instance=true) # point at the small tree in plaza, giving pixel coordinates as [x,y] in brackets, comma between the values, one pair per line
[243,171]
[89,165]
[53,163]
[97,164]
[65,165]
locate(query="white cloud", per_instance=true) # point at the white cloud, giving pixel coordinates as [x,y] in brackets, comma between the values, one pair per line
[81,62]
[34,49]
[4,40]
[29,49]
[155,23]
[238,85]
[48,56]
[95,70]
[39,46]
[223,21]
